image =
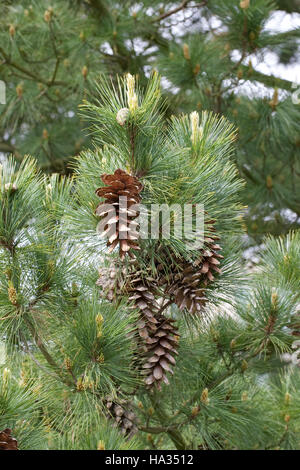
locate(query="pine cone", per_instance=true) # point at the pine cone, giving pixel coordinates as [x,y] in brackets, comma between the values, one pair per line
[142,290]
[185,288]
[140,287]
[186,282]
[208,261]
[7,442]
[153,330]
[121,226]
[121,412]
[111,280]
[161,348]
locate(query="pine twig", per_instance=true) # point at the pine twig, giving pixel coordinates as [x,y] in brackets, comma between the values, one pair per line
[27,350]
[182,6]
[267,80]
[27,72]
[40,344]
[132,144]
[163,417]
[44,351]
[156,429]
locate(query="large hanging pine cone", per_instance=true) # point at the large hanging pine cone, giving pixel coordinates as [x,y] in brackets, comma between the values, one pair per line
[161,348]
[123,416]
[7,442]
[121,192]
[152,328]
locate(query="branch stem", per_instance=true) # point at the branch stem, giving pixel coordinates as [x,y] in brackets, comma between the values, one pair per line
[163,417]
[39,343]
[182,6]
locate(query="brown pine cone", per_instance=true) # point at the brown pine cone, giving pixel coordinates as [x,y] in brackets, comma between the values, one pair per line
[161,348]
[111,280]
[185,288]
[140,287]
[185,281]
[121,226]
[142,290]
[7,442]
[208,261]
[152,328]
[121,412]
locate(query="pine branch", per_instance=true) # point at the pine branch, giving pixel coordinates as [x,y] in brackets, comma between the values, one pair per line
[99,6]
[39,343]
[218,380]
[268,80]
[132,144]
[163,417]
[30,74]
[182,6]
[282,37]
[7,147]
[157,429]
[27,350]
[55,72]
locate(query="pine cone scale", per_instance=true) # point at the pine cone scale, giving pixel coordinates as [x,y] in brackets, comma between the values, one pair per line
[7,442]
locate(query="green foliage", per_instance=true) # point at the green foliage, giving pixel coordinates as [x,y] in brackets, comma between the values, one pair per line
[50,56]
[234,385]
[266,319]
[92,433]
[20,408]
[97,345]
[281,261]
[230,401]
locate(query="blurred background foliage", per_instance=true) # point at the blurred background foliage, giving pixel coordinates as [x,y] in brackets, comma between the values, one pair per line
[210,55]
